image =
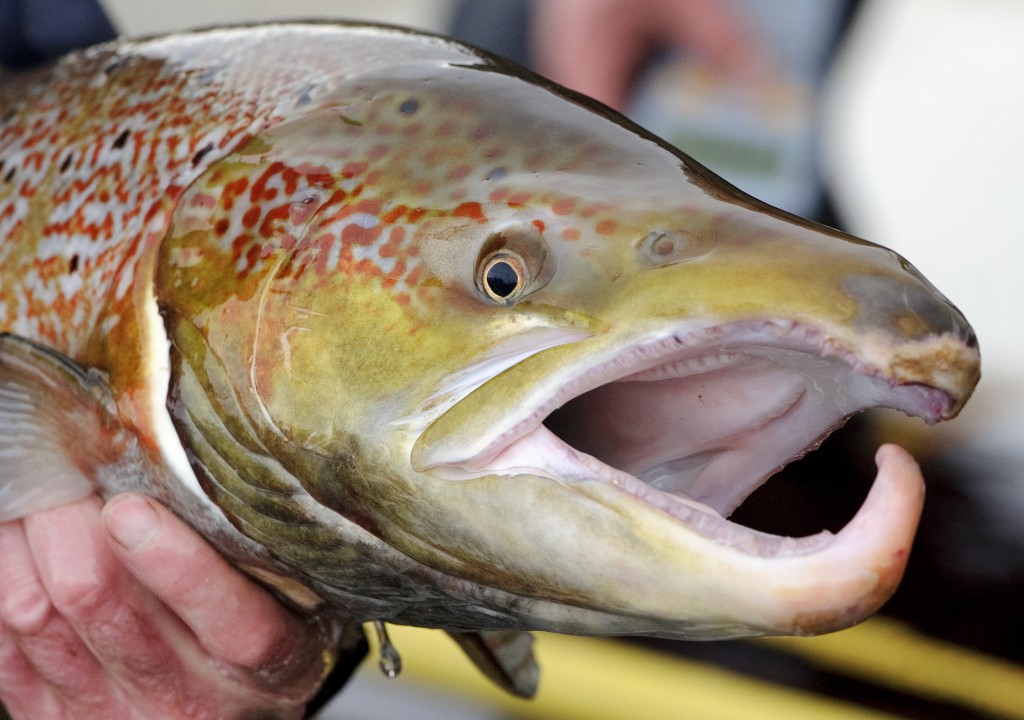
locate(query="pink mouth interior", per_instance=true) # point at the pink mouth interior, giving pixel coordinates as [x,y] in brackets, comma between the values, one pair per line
[697,430]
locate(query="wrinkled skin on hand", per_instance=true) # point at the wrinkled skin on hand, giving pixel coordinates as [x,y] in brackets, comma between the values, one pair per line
[123,611]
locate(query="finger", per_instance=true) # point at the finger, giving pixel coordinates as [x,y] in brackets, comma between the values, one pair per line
[22,691]
[233,618]
[127,632]
[44,653]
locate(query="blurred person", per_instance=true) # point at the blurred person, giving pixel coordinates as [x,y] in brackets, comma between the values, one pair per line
[734,83]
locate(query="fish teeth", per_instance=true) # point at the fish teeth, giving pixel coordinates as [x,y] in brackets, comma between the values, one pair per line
[685,367]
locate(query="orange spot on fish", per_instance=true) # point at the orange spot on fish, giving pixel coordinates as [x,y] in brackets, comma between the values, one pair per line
[472,210]
[570,234]
[539,224]
[606,227]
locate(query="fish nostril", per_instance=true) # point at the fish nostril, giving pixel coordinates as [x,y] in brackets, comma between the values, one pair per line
[660,247]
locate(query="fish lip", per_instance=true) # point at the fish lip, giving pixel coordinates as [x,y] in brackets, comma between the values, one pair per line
[644,355]
[716,345]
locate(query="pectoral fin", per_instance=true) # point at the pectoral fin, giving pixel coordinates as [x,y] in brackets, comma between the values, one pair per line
[57,428]
[504,656]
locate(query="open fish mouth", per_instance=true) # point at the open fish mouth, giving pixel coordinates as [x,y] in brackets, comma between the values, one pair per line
[693,420]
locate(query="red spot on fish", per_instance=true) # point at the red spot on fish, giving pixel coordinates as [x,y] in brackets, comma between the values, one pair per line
[396,273]
[251,217]
[539,224]
[378,151]
[353,234]
[251,256]
[269,226]
[498,195]
[471,210]
[519,198]
[389,249]
[336,197]
[353,169]
[368,268]
[392,215]
[606,227]
[563,206]
[290,178]
[238,244]
[414,276]
[369,206]
[259,186]
[594,209]
[460,172]
[570,234]
[232,190]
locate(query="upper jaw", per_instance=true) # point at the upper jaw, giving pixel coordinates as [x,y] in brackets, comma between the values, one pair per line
[689,419]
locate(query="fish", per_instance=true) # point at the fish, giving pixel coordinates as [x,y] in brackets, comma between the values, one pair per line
[412,335]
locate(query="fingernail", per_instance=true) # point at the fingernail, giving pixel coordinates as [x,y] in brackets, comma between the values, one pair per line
[132,521]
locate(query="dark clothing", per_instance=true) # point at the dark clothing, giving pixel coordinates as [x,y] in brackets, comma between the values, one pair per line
[32,31]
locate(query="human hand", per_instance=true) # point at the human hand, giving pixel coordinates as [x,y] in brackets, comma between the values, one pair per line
[123,611]
[597,46]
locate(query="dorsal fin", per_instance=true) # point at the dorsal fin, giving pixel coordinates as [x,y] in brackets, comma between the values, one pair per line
[57,428]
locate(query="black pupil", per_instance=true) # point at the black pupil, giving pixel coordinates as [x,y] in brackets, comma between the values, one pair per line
[502,279]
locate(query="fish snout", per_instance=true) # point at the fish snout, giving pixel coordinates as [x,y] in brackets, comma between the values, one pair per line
[867,303]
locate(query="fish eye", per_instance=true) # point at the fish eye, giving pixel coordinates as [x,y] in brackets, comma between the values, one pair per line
[503,278]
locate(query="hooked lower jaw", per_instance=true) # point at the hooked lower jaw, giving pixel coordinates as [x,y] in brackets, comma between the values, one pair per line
[755,396]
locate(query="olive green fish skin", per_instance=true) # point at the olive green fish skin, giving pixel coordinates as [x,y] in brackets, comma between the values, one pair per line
[307,214]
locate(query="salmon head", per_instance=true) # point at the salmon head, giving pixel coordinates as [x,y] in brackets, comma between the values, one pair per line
[461,348]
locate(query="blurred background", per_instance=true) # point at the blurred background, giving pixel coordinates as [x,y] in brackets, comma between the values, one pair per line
[897,120]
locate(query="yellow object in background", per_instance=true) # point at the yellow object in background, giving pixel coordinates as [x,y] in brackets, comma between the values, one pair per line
[597,679]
